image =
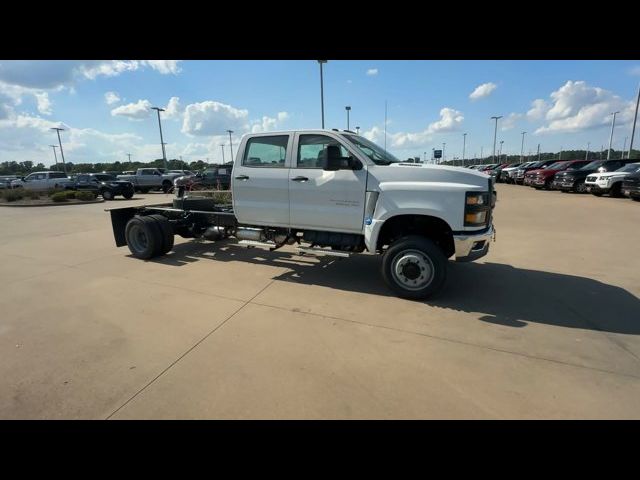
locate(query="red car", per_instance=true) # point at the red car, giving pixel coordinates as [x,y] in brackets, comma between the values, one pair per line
[543,177]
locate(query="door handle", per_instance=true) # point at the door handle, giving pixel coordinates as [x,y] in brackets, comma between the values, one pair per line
[299,179]
[242,177]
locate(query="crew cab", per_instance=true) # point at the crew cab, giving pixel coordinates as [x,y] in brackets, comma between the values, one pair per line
[332,193]
[610,182]
[42,181]
[574,180]
[103,184]
[543,178]
[146,179]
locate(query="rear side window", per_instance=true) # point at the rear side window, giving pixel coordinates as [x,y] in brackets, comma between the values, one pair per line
[266,151]
[57,175]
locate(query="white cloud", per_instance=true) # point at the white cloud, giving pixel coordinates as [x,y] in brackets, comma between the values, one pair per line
[136,111]
[483,91]
[210,118]
[44,104]
[538,109]
[510,121]
[450,121]
[165,67]
[372,72]
[173,110]
[111,98]
[283,116]
[576,106]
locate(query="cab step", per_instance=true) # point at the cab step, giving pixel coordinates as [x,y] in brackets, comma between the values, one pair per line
[322,251]
[256,244]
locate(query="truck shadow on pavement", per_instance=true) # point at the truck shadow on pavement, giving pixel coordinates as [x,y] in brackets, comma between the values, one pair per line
[498,293]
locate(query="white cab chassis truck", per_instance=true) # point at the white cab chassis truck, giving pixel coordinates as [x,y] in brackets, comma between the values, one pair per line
[331,192]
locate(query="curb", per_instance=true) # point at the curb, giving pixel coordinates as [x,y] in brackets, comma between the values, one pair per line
[51,204]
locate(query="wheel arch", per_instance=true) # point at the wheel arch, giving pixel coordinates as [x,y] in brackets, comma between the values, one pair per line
[428,226]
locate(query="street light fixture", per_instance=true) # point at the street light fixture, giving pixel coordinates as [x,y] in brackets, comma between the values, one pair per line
[164,154]
[64,165]
[54,153]
[613,124]
[495,134]
[230,144]
[348,109]
[321,62]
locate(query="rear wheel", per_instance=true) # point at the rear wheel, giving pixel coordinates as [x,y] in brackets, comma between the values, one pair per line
[414,267]
[580,187]
[166,186]
[107,194]
[166,232]
[144,237]
[128,194]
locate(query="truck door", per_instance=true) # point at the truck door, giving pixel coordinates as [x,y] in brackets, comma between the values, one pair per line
[325,200]
[260,181]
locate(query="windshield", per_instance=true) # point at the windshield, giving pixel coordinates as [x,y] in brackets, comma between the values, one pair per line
[631,168]
[103,177]
[593,165]
[376,154]
[556,166]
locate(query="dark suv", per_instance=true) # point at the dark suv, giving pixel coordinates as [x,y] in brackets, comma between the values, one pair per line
[631,186]
[103,184]
[573,181]
[214,178]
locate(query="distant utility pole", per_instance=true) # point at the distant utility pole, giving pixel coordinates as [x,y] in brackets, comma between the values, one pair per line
[64,165]
[425,157]
[322,62]
[635,118]
[348,109]
[538,152]
[624,147]
[464,146]
[601,152]
[500,152]
[481,157]
[613,124]
[222,146]
[54,153]
[129,155]
[560,156]
[230,144]
[586,155]
[495,134]
[357,130]
[164,155]
[522,147]
[443,157]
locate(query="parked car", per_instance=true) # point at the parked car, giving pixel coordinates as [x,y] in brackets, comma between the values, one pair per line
[573,181]
[631,186]
[543,178]
[103,184]
[610,182]
[146,179]
[218,178]
[42,181]
[520,173]
[5,181]
[496,173]
[509,173]
[504,171]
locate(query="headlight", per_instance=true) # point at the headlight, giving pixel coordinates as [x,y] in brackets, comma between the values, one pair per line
[114,184]
[475,218]
[475,198]
[477,209]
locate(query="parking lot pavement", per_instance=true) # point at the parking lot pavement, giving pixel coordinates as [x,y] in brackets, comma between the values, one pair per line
[545,326]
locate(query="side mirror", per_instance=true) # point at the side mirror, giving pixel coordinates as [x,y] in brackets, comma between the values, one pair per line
[330,158]
[355,164]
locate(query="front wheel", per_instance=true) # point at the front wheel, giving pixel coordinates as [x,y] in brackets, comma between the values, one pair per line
[414,267]
[107,195]
[128,194]
[580,187]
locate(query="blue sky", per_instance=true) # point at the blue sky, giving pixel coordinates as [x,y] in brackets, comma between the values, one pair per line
[558,103]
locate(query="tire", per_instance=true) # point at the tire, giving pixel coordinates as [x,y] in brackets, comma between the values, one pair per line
[166,186]
[166,231]
[144,237]
[144,190]
[616,190]
[580,187]
[107,194]
[597,194]
[403,259]
[128,195]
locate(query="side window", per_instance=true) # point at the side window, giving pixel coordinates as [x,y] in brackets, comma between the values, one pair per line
[83,178]
[41,176]
[146,171]
[613,166]
[266,151]
[311,147]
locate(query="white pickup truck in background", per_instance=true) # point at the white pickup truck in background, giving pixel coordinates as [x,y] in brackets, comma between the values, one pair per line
[146,179]
[43,181]
[332,193]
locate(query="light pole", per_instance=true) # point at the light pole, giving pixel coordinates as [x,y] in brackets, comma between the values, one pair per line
[613,124]
[357,130]
[348,109]
[443,157]
[495,134]
[481,148]
[129,155]
[633,129]
[538,152]
[500,152]
[230,144]
[164,154]
[321,62]
[624,147]
[586,155]
[425,157]
[522,147]
[54,153]
[222,147]
[560,156]
[64,165]
[464,146]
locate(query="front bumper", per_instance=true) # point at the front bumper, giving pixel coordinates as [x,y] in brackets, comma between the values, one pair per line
[595,188]
[563,185]
[472,246]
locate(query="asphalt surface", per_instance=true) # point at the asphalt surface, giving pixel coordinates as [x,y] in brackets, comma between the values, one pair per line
[547,325]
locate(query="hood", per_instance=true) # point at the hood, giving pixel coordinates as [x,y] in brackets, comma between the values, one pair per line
[539,170]
[612,174]
[398,175]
